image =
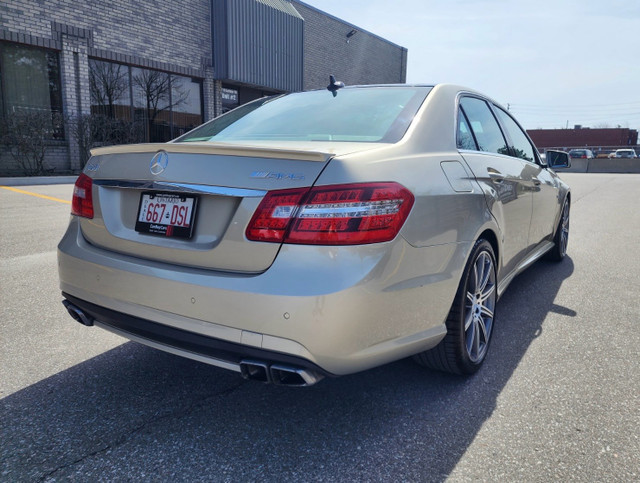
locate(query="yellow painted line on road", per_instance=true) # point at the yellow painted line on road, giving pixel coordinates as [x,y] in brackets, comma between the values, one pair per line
[37,195]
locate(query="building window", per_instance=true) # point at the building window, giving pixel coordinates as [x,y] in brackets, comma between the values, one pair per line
[30,83]
[163,105]
[186,104]
[152,103]
[109,86]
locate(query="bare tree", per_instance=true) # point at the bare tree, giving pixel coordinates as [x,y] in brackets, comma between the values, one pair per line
[157,93]
[108,83]
[26,135]
[92,130]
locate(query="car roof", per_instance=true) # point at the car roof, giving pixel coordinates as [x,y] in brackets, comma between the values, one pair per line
[443,86]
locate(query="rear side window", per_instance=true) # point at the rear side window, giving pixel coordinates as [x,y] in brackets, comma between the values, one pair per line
[464,137]
[484,126]
[521,146]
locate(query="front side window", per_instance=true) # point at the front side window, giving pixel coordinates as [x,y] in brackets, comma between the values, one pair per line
[522,147]
[484,126]
[372,114]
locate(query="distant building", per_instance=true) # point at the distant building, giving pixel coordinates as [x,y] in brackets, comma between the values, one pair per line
[166,67]
[580,137]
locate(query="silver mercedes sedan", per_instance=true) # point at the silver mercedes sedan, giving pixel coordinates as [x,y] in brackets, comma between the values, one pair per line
[318,233]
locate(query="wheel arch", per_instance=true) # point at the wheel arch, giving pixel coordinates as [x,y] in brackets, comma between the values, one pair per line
[567,198]
[491,237]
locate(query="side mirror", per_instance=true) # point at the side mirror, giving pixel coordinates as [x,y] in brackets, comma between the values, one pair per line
[558,159]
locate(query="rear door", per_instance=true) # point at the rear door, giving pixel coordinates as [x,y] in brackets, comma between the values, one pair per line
[505,180]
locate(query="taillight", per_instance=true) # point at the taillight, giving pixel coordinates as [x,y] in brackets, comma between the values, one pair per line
[82,202]
[332,215]
[272,218]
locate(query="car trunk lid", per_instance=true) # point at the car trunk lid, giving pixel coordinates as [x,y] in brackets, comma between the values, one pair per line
[226,182]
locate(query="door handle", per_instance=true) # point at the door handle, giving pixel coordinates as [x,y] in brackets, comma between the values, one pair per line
[536,181]
[496,176]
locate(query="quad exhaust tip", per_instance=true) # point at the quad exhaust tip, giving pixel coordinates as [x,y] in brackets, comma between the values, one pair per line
[279,374]
[77,314]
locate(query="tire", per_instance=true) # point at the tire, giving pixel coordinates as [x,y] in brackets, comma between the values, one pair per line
[470,320]
[561,238]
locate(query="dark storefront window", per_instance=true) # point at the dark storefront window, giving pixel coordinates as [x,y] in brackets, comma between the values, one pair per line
[152,102]
[30,83]
[186,104]
[110,93]
[162,105]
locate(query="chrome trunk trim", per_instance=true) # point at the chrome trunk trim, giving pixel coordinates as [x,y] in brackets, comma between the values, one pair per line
[181,188]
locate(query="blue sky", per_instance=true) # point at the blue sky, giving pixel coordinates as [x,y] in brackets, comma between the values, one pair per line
[556,63]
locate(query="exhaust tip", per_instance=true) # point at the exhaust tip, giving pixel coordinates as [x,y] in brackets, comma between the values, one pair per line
[294,377]
[77,314]
[255,371]
[280,375]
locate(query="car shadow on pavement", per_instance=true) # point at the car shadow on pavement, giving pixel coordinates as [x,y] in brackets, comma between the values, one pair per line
[134,413]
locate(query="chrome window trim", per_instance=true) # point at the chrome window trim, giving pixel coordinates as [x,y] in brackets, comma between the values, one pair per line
[491,103]
[181,188]
[538,160]
[488,102]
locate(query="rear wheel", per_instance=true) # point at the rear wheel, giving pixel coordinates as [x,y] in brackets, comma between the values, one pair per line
[470,321]
[561,238]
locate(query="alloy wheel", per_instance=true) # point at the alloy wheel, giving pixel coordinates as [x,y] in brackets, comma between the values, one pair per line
[480,306]
[564,229]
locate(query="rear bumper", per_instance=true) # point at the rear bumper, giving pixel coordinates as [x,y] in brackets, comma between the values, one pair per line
[217,352]
[336,310]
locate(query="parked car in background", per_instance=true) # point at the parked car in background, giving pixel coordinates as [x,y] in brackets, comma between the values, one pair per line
[604,154]
[581,154]
[624,153]
[317,233]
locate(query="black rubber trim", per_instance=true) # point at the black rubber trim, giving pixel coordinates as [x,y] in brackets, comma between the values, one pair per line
[189,341]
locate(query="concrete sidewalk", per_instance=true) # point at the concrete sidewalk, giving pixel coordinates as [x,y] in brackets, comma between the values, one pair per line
[37,180]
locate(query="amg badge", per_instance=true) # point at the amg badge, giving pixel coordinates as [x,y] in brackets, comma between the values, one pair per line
[272,175]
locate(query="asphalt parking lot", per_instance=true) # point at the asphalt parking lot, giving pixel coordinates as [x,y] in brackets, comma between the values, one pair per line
[557,399]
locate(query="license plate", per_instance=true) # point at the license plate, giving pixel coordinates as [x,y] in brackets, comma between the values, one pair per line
[166,214]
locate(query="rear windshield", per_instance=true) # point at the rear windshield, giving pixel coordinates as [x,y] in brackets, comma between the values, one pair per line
[368,114]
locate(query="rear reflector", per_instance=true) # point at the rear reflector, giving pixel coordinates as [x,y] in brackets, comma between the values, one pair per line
[332,215]
[82,202]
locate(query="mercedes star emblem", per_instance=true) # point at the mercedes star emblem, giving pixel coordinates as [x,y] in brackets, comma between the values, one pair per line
[159,162]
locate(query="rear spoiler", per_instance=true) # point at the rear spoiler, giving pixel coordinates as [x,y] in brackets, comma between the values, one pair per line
[216,148]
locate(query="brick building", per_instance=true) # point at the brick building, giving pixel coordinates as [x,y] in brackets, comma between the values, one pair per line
[169,66]
[581,137]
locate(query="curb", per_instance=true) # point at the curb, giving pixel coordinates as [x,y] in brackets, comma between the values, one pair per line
[37,180]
